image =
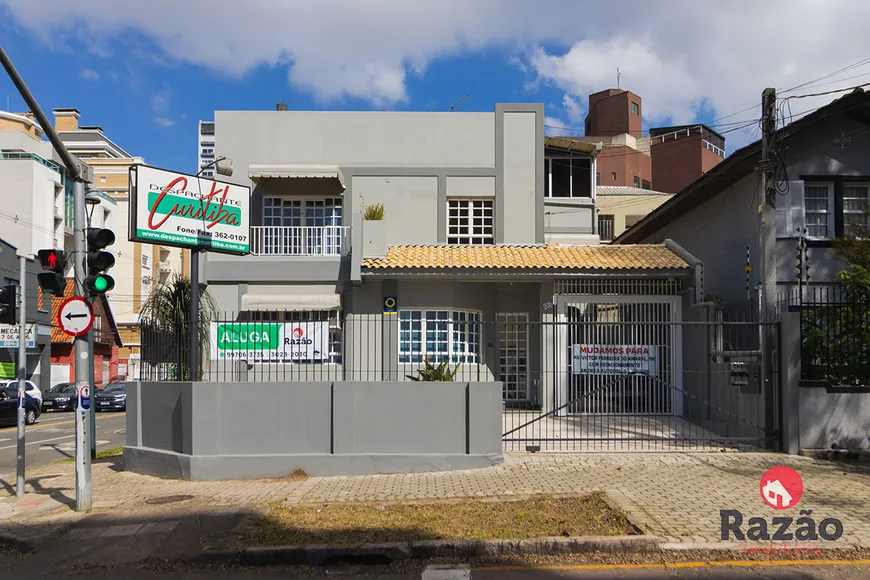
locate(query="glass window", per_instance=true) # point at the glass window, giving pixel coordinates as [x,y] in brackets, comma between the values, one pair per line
[855,199]
[605,227]
[635,109]
[636,181]
[439,335]
[568,177]
[470,221]
[817,208]
[613,176]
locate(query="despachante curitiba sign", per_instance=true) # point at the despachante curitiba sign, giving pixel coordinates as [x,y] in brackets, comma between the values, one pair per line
[176,209]
[270,341]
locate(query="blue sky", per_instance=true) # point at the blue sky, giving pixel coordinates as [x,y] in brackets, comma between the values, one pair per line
[147,72]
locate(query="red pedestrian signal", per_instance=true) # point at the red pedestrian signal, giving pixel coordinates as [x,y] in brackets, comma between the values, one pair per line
[53,260]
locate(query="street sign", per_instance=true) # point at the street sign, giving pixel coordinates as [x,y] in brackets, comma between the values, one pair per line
[85,397]
[9,336]
[75,316]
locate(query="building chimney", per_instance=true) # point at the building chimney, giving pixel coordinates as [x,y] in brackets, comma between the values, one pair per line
[281,107]
[66,119]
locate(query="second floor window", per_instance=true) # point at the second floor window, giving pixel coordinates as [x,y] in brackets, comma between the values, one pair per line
[470,221]
[636,181]
[855,199]
[568,177]
[818,209]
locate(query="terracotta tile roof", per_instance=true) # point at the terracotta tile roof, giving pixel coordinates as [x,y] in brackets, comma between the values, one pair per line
[550,257]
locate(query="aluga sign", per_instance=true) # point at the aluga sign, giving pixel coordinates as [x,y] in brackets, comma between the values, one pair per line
[177,209]
[270,341]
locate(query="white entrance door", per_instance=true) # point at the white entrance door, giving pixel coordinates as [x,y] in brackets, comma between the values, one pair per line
[513,329]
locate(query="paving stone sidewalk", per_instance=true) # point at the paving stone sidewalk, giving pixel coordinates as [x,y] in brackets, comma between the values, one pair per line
[674,495]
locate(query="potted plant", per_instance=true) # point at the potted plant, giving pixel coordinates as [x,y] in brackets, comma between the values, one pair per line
[432,373]
[374,212]
[374,231]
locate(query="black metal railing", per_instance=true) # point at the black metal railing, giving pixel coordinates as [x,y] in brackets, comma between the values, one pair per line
[835,337]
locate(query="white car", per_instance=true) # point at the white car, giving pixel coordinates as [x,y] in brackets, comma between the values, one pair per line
[29,387]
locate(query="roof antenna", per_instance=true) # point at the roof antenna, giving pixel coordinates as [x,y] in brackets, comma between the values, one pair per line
[452,107]
[617,77]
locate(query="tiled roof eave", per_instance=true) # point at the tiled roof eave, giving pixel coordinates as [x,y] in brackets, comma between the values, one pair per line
[527,272]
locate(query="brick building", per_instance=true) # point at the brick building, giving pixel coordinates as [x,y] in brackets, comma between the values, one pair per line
[107,341]
[683,154]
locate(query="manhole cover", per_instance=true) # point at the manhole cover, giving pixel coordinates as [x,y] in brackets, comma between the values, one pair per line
[168,499]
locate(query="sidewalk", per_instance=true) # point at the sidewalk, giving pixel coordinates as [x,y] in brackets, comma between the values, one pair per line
[676,496]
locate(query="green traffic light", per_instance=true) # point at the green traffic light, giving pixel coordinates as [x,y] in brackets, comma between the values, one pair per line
[101,284]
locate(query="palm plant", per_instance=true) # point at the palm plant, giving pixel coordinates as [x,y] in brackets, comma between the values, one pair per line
[432,373]
[166,315]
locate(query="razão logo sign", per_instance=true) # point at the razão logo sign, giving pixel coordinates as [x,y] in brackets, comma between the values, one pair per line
[781,489]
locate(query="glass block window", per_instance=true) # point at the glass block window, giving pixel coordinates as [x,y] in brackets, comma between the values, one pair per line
[439,335]
[470,221]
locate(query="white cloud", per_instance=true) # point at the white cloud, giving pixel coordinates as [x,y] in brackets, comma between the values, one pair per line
[90,74]
[680,57]
[165,122]
[161,99]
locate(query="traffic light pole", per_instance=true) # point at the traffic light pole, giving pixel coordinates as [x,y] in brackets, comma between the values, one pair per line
[79,173]
[82,355]
[22,373]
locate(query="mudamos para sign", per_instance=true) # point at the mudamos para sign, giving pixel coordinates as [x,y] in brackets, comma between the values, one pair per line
[270,341]
[176,209]
[614,359]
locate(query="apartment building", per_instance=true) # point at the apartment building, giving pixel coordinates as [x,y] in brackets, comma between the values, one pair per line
[205,148]
[482,223]
[37,203]
[139,268]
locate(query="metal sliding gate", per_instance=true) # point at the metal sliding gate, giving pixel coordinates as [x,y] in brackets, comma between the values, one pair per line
[629,375]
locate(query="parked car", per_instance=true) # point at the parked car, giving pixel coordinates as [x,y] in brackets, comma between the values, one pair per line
[112,398]
[61,397]
[9,407]
[29,387]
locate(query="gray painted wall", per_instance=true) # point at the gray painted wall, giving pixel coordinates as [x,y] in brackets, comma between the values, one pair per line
[718,231]
[410,162]
[211,431]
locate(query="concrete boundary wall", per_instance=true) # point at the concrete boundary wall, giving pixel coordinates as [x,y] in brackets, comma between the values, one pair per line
[213,431]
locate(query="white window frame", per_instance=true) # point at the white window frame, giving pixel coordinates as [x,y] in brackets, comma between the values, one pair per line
[866,186]
[473,235]
[831,222]
[461,335]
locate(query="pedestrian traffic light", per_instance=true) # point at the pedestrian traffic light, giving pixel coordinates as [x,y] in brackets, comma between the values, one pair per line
[98,282]
[8,304]
[54,261]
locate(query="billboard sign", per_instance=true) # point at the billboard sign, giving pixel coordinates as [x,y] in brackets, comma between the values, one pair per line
[176,209]
[270,341]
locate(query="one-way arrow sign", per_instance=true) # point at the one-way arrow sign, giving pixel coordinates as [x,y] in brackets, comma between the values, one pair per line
[75,316]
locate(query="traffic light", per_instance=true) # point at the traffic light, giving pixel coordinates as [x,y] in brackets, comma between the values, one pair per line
[8,304]
[98,282]
[52,281]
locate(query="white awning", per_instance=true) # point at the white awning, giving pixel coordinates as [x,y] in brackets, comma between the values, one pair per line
[257,172]
[291,302]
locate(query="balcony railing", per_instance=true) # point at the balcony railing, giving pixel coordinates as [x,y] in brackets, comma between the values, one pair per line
[300,240]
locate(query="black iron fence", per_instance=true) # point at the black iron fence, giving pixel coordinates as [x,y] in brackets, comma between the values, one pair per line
[835,337]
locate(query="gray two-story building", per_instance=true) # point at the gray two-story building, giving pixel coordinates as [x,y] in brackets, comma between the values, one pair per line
[392,238]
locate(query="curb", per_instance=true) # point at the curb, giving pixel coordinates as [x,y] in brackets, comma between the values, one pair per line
[315,555]
[16,542]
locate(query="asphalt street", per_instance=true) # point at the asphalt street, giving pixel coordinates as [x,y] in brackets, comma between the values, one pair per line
[53,438]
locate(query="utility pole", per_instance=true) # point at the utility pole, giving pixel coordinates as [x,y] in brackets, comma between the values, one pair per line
[22,373]
[80,173]
[767,248]
[767,253]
